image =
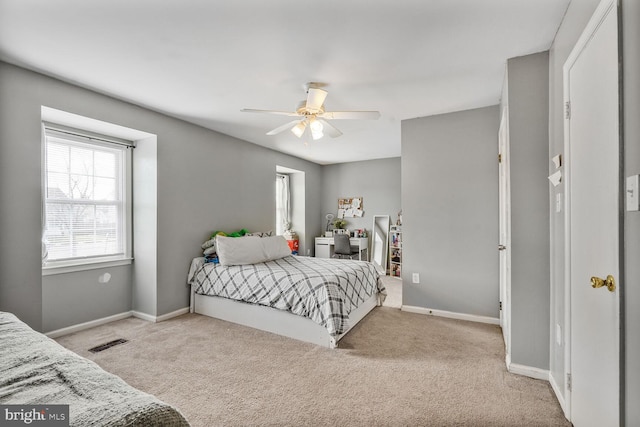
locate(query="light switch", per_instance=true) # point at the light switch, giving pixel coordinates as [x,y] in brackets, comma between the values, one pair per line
[633,201]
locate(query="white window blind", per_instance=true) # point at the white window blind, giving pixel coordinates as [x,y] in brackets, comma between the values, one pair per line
[86,205]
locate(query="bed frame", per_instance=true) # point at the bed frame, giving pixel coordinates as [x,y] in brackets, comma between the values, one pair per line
[273,320]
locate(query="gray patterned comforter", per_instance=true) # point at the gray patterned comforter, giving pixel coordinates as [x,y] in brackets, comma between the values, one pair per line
[35,370]
[324,290]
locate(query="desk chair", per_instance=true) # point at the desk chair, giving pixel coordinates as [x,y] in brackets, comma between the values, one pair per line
[342,247]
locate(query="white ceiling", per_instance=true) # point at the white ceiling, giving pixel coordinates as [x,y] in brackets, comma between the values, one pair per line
[204,60]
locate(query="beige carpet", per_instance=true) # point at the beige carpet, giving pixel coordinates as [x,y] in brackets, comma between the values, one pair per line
[393,369]
[393,286]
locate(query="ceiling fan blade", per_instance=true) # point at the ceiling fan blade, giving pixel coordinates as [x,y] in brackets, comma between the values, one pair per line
[281,113]
[350,115]
[283,127]
[315,98]
[329,129]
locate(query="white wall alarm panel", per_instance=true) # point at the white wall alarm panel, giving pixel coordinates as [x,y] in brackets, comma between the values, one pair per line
[632,193]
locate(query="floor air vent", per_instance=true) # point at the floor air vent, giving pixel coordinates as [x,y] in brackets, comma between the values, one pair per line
[107,345]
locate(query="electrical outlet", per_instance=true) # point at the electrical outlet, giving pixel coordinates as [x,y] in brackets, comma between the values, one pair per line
[558,335]
[415,278]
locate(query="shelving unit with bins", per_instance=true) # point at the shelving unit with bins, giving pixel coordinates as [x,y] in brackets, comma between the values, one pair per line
[395,251]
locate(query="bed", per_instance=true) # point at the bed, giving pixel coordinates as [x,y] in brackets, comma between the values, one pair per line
[315,300]
[36,370]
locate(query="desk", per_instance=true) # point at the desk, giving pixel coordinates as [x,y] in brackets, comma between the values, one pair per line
[324,247]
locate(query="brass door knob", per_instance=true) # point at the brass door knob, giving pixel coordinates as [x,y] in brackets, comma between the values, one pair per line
[609,282]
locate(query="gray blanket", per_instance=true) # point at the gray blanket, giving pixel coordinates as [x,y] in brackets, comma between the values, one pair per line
[36,370]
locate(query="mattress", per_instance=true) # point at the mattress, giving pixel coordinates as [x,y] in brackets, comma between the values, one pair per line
[323,290]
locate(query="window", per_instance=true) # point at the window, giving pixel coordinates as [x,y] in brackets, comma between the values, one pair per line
[283,204]
[87,198]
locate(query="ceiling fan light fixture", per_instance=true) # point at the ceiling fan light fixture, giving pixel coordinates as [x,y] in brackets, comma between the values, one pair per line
[311,114]
[299,129]
[316,125]
[316,129]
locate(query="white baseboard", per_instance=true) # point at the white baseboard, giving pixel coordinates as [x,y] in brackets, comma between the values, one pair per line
[558,393]
[143,316]
[528,371]
[451,315]
[173,314]
[86,325]
[93,323]
[162,318]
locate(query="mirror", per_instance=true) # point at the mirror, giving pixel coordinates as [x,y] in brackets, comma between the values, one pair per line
[380,242]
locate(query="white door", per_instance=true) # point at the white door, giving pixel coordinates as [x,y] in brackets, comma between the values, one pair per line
[592,149]
[504,246]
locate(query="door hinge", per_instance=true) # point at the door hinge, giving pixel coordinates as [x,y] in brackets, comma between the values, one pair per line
[569,382]
[500,305]
[567,110]
[499,158]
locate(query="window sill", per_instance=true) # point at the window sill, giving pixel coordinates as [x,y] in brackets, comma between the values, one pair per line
[90,265]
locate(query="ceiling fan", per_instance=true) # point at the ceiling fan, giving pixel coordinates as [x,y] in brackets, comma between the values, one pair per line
[312,115]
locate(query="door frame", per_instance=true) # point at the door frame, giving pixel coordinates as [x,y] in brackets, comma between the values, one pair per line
[504,190]
[604,7]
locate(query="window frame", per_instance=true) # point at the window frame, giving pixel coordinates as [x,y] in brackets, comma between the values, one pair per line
[90,139]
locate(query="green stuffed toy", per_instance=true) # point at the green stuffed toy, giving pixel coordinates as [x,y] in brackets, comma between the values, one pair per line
[239,233]
[217,233]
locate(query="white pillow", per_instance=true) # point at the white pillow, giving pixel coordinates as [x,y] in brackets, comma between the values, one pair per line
[210,250]
[209,243]
[250,249]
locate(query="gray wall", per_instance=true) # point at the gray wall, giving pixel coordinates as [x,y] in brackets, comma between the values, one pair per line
[572,26]
[528,115]
[450,211]
[206,181]
[73,298]
[377,181]
[20,189]
[631,291]
[576,18]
